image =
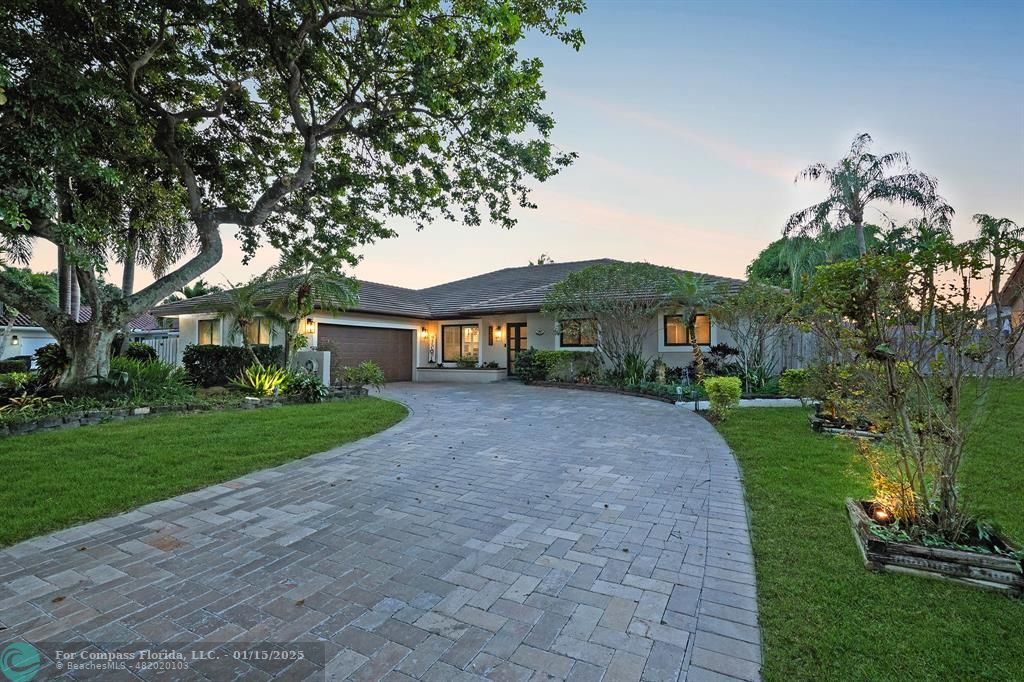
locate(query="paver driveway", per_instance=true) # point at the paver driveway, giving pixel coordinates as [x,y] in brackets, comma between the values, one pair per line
[500,531]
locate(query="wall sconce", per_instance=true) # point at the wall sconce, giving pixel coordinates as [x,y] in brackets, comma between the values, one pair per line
[14,340]
[423,332]
[310,326]
[497,333]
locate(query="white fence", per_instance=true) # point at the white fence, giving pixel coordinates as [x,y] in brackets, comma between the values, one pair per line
[166,348]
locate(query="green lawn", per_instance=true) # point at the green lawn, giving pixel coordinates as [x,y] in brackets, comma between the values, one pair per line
[57,479]
[823,615]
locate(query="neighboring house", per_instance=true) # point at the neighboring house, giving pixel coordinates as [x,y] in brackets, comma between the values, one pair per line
[26,336]
[408,332]
[1012,295]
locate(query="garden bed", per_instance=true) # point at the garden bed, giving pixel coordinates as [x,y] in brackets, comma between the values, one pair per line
[90,417]
[599,388]
[978,569]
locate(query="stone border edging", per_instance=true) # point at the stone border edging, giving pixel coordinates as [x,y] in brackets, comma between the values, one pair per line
[597,388]
[102,416]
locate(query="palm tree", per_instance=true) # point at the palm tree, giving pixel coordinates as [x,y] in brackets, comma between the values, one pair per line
[198,288]
[694,294]
[801,255]
[1002,241]
[313,287]
[244,306]
[858,180]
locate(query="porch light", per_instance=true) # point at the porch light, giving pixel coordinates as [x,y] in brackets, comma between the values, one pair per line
[497,333]
[423,332]
[310,326]
[14,340]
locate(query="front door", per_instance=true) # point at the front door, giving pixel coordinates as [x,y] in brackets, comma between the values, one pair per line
[516,341]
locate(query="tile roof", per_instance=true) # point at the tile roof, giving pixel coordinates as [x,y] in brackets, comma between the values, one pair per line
[519,289]
[143,323]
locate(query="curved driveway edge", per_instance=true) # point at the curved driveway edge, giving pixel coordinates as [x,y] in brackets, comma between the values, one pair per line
[499,532]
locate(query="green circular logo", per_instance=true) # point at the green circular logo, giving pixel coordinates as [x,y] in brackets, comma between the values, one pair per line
[19,662]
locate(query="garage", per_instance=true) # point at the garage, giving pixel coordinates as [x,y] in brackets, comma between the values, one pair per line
[350,344]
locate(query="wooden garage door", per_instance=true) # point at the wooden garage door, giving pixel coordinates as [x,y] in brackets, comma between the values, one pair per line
[349,345]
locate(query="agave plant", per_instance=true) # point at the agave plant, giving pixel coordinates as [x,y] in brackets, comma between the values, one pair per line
[261,381]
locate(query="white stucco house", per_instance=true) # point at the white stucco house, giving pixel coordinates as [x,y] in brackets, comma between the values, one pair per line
[420,334]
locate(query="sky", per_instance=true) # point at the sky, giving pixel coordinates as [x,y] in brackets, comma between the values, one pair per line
[691,120]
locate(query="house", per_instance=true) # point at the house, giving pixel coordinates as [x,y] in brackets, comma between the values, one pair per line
[26,337]
[420,334]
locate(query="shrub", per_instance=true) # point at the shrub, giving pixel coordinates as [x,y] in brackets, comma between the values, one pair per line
[366,373]
[306,387]
[22,363]
[14,383]
[557,365]
[466,361]
[140,351]
[724,394]
[261,381]
[794,382]
[145,379]
[634,368]
[51,360]
[531,366]
[219,365]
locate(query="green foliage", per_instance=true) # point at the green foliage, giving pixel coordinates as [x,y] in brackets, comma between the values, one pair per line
[209,365]
[364,374]
[795,382]
[261,382]
[306,387]
[858,180]
[23,364]
[140,351]
[51,362]
[145,378]
[558,365]
[621,299]
[39,283]
[724,394]
[466,361]
[634,368]
[14,383]
[29,406]
[309,129]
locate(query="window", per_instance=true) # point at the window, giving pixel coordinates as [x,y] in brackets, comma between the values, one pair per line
[257,332]
[676,333]
[209,332]
[459,340]
[578,333]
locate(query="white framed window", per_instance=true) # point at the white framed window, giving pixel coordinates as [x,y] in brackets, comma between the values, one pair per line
[208,332]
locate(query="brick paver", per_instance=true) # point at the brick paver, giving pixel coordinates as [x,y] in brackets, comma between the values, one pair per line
[500,532]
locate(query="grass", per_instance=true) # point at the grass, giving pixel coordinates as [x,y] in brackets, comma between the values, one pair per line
[823,615]
[58,479]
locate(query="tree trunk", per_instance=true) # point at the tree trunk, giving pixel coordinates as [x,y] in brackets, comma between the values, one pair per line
[63,281]
[698,355]
[88,349]
[75,300]
[128,276]
[862,244]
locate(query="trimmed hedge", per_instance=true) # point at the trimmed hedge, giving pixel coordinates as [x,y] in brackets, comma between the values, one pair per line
[208,365]
[22,363]
[140,351]
[557,365]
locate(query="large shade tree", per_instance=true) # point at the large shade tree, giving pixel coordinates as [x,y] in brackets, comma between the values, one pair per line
[304,125]
[859,180]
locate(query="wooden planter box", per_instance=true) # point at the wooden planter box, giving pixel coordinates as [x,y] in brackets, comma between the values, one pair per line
[988,571]
[820,425]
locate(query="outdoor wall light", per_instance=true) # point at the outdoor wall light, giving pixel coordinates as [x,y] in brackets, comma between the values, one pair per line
[423,332]
[310,326]
[14,340]
[497,333]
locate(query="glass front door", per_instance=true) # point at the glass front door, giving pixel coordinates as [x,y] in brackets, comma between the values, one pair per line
[516,335]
